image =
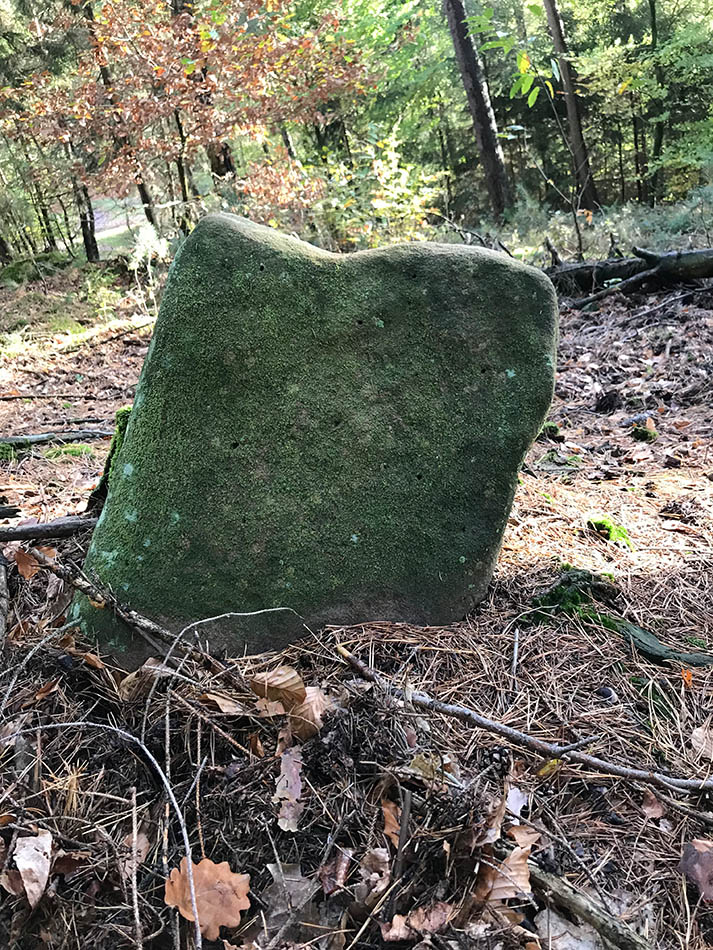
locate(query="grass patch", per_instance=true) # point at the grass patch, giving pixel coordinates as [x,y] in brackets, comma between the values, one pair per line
[73,450]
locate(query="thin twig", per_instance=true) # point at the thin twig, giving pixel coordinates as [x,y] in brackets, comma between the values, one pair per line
[134,869]
[550,749]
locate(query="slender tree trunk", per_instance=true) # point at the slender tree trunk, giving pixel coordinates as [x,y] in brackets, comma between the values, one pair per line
[85,211]
[5,251]
[657,107]
[220,156]
[121,139]
[620,154]
[481,109]
[446,170]
[580,155]
[287,141]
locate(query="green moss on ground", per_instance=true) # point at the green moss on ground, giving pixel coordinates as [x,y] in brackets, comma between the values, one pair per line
[580,593]
[71,450]
[644,434]
[550,432]
[606,528]
[24,271]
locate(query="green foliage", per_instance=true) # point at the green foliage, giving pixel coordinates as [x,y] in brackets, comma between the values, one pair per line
[610,530]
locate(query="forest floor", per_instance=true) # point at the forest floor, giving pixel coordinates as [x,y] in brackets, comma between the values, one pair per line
[396,809]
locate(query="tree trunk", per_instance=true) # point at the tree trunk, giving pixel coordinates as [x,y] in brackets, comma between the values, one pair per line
[5,251]
[481,110]
[580,156]
[220,156]
[287,141]
[121,139]
[657,108]
[86,220]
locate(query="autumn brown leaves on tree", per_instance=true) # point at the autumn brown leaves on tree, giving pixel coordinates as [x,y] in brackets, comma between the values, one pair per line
[152,86]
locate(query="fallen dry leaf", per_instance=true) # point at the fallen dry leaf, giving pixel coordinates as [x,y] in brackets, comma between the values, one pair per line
[651,806]
[220,895]
[226,704]
[289,789]
[392,821]
[33,856]
[431,919]
[137,684]
[396,930]
[333,874]
[697,864]
[51,686]
[501,880]
[375,873]
[27,566]
[12,882]
[130,858]
[267,708]
[305,719]
[702,742]
[524,836]
[494,820]
[91,659]
[289,892]
[557,933]
[256,747]
[67,863]
[421,921]
[282,685]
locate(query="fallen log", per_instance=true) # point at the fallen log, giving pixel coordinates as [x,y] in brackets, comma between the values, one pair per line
[48,530]
[574,277]
[44,438]
[630,272]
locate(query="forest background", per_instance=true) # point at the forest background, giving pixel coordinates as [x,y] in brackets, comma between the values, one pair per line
[354,124]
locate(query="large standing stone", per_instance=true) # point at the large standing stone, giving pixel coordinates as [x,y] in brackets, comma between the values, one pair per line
[336,434]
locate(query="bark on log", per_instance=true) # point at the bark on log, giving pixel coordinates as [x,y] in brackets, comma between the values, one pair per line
[669,267]
[572,278]
[59,528]
[43,438]
[550,887]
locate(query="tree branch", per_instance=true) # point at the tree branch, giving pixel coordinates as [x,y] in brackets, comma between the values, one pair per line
[549,749]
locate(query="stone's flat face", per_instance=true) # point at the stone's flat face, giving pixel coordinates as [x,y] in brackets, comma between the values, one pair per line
[336,434]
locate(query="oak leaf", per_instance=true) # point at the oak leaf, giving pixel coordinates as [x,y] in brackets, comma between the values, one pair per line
[282,685]
[697,864]
[27,566]
[305,719]
[220,895]
[392,821]
[33,857]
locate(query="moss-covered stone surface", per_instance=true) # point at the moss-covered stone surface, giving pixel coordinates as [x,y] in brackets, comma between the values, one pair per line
[336,434]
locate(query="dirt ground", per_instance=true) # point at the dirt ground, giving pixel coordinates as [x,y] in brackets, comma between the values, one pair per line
[632,448]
